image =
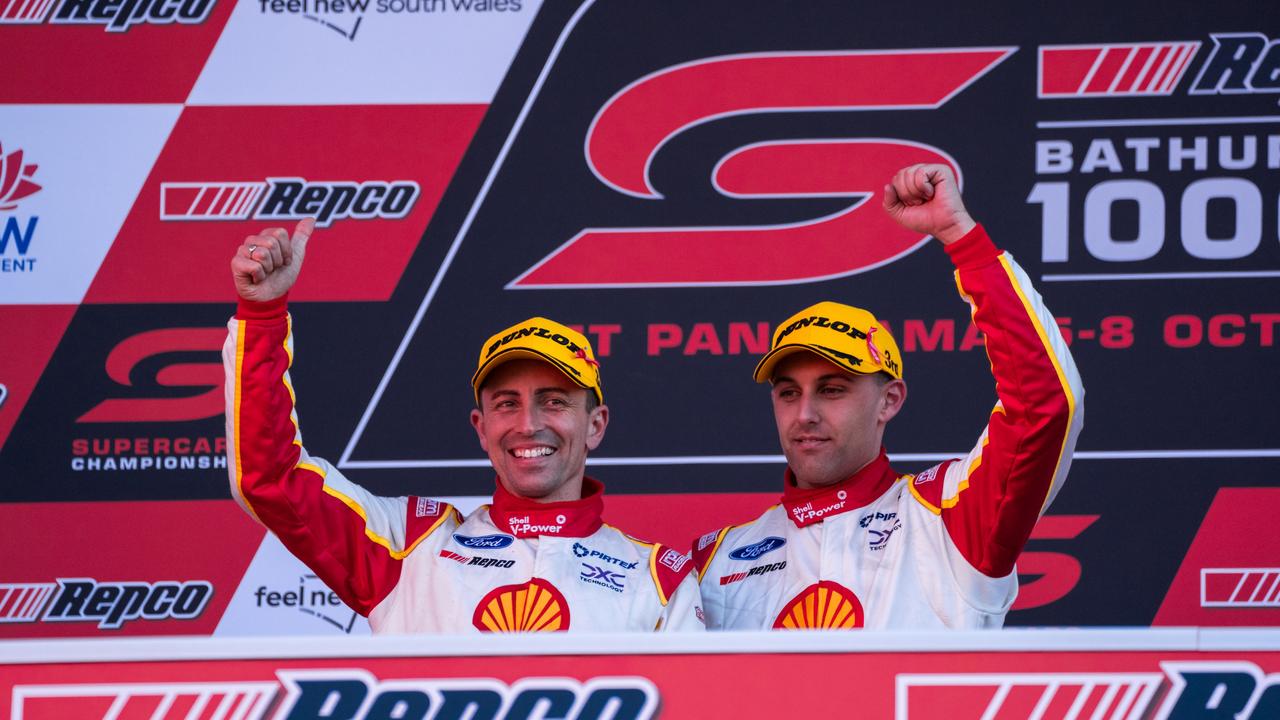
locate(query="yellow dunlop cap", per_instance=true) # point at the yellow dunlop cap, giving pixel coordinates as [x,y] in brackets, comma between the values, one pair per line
[566,349]
[850,337]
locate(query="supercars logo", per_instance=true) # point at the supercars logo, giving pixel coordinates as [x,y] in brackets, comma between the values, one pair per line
[282,198]
[124,363]
[535,606]
[824,605]
[755,550]
[348,693]
[114,15]
[632,127]
[110,604]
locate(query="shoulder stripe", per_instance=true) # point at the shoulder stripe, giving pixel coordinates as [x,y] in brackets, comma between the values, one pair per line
[653,573]
[375,537]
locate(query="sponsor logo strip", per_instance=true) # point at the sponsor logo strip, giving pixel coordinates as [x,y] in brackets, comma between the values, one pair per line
[1103,696]
[209,201]
[21,12]
[1240,587]
[159,700]
[1113,69]
[22,602]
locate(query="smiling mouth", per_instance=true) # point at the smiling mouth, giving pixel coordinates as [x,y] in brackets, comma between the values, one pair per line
[534,452]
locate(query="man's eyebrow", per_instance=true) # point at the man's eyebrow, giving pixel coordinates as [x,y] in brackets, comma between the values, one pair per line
[822,378]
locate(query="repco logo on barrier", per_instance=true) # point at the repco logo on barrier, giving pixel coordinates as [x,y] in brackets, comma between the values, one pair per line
[358,695]
[286,198]
[114,15]
[111,604]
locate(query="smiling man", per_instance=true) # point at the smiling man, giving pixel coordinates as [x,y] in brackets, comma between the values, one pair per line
[538,558]
[855,543]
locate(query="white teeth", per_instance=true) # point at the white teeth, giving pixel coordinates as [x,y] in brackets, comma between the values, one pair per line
[533,452]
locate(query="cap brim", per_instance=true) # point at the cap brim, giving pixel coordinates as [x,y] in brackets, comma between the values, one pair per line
[764,369]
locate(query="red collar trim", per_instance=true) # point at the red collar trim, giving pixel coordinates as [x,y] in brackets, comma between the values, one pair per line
[806,507]
[527,518]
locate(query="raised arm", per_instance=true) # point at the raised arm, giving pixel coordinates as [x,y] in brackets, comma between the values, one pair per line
[353,540]
[991,499]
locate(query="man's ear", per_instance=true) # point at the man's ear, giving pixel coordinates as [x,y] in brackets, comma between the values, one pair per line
[477,422]
[892,397]
[597,421]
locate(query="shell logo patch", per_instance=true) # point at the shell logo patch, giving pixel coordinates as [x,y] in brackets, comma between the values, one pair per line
[535,606]
[824,605]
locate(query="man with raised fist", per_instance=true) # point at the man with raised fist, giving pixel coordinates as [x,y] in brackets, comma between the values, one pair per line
[538,558]
[855,543]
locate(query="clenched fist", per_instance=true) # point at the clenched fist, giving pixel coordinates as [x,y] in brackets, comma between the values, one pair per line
[266,265]
[926,198]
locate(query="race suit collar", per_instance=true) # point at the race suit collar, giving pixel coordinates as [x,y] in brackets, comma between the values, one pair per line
[526,518]
[806,507]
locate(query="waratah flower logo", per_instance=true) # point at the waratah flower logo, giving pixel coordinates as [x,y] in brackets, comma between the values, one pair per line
[15,179]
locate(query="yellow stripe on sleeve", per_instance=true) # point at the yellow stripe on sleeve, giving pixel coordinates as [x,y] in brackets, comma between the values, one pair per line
[1057,368]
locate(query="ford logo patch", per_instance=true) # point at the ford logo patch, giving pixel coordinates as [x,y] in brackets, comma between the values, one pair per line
[755,550]
[487,542]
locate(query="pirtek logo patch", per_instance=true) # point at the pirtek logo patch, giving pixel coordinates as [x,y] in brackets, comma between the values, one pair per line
[583,551]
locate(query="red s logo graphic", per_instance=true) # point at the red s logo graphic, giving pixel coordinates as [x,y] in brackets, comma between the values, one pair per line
[206,377]
[1058,572]
[635,123]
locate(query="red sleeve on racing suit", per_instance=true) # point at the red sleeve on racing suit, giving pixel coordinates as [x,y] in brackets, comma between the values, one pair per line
[996,494]
[352,540]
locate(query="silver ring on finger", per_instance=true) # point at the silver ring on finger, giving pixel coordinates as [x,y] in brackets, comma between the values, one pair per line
[252,250]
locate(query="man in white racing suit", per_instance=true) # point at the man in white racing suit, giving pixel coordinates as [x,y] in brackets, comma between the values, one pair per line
[857,544]
[538,558]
